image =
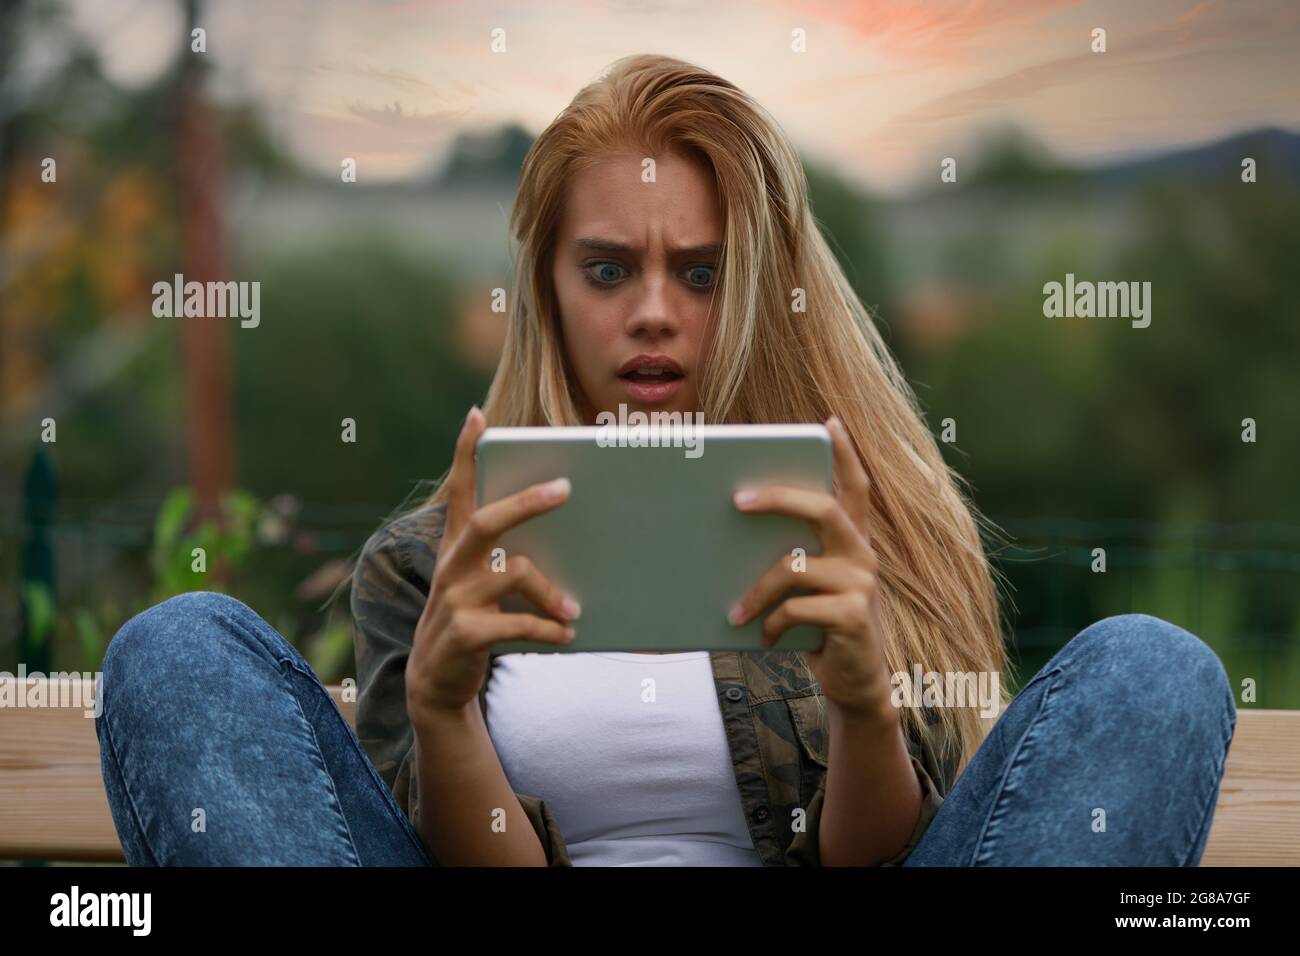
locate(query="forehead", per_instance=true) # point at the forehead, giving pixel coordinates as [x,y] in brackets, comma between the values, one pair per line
[614,198]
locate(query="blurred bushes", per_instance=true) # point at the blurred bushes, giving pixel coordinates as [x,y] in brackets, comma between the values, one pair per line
[359,328]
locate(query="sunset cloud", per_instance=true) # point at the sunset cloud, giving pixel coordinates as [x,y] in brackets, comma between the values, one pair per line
[886,88]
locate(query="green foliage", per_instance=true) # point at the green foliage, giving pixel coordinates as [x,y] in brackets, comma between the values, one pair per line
[362,328]
[224,543]
[1083,433]
[39,603]
[247,531]
[91,640]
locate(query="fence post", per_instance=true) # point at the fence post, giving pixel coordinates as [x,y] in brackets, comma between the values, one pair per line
[36,557]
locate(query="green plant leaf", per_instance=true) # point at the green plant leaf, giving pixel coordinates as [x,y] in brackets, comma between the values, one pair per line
[90,638]
[40,610]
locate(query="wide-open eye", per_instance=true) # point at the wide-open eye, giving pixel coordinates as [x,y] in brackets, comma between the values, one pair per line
[602,273]
[701,276]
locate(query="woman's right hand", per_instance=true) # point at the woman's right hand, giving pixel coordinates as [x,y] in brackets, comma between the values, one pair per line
[461,619]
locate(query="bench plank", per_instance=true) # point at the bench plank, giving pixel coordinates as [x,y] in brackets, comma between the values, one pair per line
[1257,819]
[53,805]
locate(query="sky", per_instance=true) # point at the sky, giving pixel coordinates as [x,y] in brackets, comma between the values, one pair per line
[884,91]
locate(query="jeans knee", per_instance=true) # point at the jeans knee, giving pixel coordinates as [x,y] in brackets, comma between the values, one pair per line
[179,630]
[1160,659]
[1145,640]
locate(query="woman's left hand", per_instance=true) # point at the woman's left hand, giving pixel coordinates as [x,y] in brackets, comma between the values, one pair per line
[850,665]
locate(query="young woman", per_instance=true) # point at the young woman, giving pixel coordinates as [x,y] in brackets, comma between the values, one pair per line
[668,260]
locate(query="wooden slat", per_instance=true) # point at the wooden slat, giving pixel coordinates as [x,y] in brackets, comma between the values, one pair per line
[1257,820]
[53,805]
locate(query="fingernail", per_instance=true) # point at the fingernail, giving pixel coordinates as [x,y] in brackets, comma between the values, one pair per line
[469,416]
[569,634]
[744,498]
[736,613]
[571,608]
[558,489]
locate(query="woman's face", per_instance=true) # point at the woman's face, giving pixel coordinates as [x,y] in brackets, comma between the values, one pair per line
[635,268]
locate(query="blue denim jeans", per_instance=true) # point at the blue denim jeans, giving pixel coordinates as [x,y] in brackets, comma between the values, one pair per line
[1111,755]
[219,746]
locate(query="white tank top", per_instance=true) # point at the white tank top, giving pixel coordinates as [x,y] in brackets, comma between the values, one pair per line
[627,750]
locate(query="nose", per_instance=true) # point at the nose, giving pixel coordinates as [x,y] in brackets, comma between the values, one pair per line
[653,317]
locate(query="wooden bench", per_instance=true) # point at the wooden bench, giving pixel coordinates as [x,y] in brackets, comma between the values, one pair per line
[53,805]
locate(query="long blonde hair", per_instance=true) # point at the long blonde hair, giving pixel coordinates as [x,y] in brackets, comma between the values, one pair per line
[768,363]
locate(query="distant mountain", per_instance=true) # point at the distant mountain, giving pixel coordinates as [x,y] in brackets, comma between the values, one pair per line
[1009,159]
[1275,151]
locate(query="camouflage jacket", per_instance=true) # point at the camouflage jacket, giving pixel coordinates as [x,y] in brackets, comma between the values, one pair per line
[775,728]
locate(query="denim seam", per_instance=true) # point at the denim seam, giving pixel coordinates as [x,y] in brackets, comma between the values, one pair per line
[273,649]
[288,660]
[316,751]
[402,820]
[135,815]
[1011,767]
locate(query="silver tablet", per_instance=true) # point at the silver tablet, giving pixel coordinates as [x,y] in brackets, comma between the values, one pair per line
[650,541]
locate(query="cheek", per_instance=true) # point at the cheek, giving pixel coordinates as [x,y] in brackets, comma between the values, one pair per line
[588,333]
[703,327]
[580,320]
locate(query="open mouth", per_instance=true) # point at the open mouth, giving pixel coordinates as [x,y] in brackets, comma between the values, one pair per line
[651,376]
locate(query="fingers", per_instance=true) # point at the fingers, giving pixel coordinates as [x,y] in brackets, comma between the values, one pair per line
[819,574]
[848,612]
[850,477]
[484,525]
[521,575]
[834,529]
[478,630]
[461,480]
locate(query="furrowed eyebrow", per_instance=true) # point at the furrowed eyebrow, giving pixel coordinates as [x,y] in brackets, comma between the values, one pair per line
[606,245]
